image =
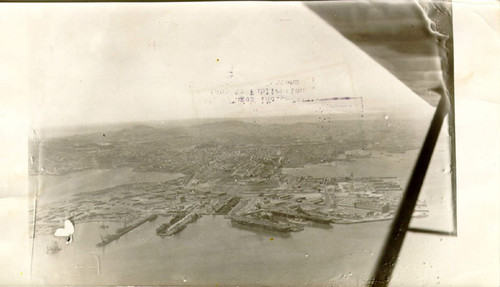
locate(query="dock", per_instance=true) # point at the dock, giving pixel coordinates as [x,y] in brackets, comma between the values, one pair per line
[265,224]
[124,230]
[179,225]
[288,213]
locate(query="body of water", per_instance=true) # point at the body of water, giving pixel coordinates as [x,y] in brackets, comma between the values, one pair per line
[379,164]
[213,251]
[59,187]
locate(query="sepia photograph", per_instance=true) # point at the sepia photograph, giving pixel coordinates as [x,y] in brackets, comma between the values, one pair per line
[238,143]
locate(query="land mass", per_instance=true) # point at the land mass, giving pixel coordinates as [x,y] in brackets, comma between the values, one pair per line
[249,172]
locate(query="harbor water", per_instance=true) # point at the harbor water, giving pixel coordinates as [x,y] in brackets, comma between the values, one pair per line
[212,251]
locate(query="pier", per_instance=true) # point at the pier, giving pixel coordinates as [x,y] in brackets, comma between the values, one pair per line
[124,230]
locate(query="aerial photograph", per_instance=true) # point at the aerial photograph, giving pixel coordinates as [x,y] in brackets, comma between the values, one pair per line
[258,148]
[192,197]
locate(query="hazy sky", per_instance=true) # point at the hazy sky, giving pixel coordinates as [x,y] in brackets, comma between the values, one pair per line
[103,63]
